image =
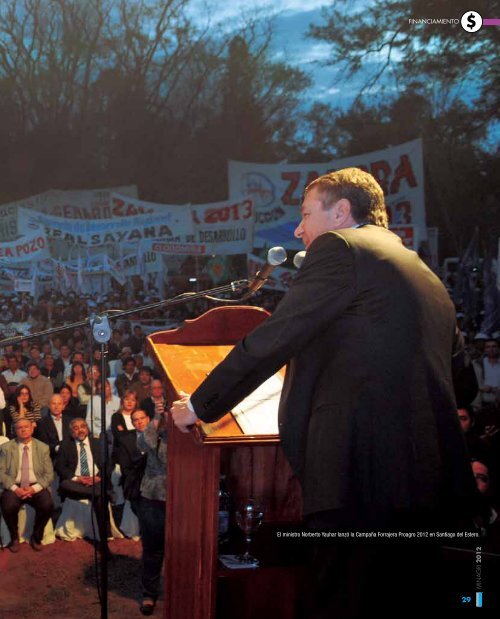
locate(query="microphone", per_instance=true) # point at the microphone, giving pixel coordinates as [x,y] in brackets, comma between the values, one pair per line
[275,257]
[298,259]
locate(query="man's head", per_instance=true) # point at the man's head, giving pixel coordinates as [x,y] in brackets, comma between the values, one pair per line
[13,363]
[139,420]
[156,388]
[145,375]
[482,476]
[77,357]
[126,352]
[24,429]
[65,351]
[33,369]
[129,365]
[465,418]
[35,353]
[340,200]
[79,428]
[56,405]
[491,349]
[48,361]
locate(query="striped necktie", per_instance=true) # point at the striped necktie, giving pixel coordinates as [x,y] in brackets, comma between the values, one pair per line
[84,463]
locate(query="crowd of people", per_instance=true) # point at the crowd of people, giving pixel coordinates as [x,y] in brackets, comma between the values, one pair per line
[51,427]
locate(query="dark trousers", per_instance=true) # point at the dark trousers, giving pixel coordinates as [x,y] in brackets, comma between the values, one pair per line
[151,516]
[42,504]
[74,490]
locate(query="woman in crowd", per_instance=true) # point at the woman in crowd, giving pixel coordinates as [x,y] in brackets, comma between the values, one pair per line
[94,409]
[92,386]
[23,406]
[121,421]
[77,377]
[71,404]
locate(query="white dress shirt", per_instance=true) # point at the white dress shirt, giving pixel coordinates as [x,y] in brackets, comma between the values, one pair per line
[90,459]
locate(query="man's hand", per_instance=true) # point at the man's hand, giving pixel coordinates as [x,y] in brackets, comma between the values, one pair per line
[182,416]
[22,493]
[85,480]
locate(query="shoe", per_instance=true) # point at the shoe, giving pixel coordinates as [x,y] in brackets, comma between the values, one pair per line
[14,545]
[147,607]
[36,545]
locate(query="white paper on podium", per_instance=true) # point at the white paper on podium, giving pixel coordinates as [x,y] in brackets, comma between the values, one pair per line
[258,413]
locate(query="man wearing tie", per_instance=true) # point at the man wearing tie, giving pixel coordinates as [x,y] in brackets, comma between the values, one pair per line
[26,473]
[78,464]
[54,428]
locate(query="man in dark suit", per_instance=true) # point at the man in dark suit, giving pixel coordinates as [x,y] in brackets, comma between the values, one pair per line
[157,402]
[78,464]
[26,473]
[367,415]
[131,459]
[53,428]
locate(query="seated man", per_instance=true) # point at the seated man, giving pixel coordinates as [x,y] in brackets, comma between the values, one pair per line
[26,472]
[54,428]
[78,464]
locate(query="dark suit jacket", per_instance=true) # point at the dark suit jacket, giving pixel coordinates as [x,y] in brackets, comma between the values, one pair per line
[47,433]
[67,457]
[131,461]
[367,414]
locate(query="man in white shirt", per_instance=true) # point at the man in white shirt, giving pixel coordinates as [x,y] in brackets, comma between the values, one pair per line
[26,473]
[78,464]
[13,375]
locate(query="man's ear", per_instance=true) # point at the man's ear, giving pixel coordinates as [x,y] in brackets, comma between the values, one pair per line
[342,210]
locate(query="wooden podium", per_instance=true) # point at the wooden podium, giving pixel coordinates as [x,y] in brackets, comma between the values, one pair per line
[197,586]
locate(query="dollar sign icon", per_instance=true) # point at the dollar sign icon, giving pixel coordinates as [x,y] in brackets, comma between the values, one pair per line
[471,21]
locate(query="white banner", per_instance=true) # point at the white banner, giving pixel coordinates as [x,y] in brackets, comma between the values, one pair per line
[276,189]
[220,228]
[25,285]
[83,203]
[168,222]
[30,247]
[8,222]
[224,228]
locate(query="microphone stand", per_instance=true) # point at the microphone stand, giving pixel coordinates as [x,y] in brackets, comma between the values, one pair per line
[101,332]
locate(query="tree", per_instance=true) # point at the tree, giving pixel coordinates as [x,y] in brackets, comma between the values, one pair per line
[438,59]
[107,92]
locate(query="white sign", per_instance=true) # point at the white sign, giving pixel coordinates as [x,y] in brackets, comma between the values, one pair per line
[276,189]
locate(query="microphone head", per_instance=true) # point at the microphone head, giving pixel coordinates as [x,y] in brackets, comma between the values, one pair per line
[298,259]
[276,256]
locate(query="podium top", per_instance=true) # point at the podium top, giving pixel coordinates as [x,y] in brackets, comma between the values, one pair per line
[187,355]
